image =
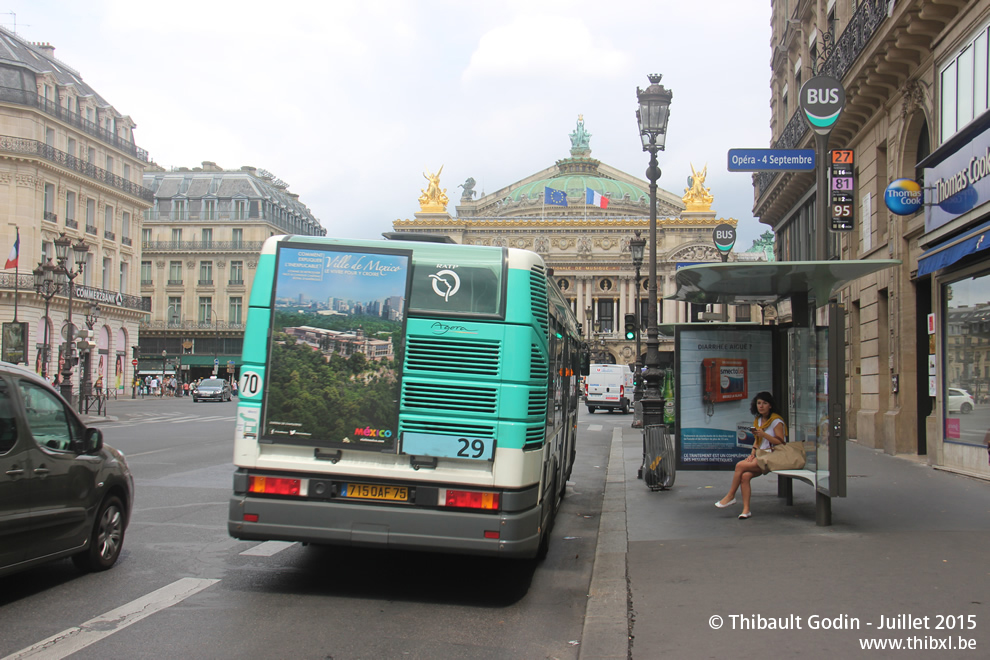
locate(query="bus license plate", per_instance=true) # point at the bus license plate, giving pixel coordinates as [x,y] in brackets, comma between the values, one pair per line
[376,492]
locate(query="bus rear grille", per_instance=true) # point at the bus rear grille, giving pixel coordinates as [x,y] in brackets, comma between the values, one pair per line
[538,296]
[447,397]
[478,358]
[535,435]
[538,365]
[445,428]
[537,402]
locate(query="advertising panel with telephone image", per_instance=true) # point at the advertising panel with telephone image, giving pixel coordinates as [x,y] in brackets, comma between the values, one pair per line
[725,379]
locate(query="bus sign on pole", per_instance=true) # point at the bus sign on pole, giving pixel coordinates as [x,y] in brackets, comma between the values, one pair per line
[843,183]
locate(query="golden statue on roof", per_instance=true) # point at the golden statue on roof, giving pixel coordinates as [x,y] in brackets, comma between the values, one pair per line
[434,199]
[697,197]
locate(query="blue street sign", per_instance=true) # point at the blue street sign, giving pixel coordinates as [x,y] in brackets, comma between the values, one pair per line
[758,160]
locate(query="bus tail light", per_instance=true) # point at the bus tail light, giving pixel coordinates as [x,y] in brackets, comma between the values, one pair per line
[273,485]
[472,499]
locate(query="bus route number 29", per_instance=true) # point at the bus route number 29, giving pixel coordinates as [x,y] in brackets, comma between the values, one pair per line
[471,448]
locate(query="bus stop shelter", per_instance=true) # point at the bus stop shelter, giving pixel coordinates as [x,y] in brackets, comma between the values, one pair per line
[800,359]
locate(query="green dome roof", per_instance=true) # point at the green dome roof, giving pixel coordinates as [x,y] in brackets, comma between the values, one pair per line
[575,184]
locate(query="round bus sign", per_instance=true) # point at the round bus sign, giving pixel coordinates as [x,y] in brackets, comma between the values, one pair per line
[724,237]
[822,100]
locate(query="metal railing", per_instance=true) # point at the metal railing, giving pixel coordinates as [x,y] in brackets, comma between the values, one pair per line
[189,325]
[18,145]
[50,217]
[185,246]
[24,97]
[25,283]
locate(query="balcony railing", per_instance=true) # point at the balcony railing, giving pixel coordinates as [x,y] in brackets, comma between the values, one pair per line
[147,282]
[850,45]
[50,217]
[190,325]
[23,146]
[23,97]
[71,224]
[91,229]
[206,283]
[186,246]
[236,283]
[25,283]
[302,226]
[175,282]
[125,240]
[109,235]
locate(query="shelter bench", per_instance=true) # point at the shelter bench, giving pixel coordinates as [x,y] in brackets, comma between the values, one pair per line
[785,489]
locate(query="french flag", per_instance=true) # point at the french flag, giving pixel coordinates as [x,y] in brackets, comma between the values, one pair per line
[594,198]
[14,252]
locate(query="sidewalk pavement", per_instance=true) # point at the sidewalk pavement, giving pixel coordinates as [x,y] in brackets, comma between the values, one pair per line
[676,577]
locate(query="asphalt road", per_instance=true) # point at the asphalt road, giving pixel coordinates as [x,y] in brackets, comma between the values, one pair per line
[184,588]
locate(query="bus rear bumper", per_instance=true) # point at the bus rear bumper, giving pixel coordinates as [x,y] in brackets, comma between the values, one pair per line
[336,523]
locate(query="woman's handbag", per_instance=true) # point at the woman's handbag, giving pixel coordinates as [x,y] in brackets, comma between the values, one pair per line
[788,456]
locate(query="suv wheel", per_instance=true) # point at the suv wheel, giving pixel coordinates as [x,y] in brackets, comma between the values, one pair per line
[107,538]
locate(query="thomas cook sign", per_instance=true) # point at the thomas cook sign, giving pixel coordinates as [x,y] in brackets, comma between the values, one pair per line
[822,99]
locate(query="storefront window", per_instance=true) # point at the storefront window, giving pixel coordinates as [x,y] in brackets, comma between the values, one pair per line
[967,358]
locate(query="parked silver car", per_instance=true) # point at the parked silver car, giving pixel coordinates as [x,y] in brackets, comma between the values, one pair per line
[212,389]
[63,493]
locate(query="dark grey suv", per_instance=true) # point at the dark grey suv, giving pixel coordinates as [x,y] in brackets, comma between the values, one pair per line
[63,493]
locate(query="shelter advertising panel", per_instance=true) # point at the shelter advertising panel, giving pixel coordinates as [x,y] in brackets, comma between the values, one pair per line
[336,345]
[721,370]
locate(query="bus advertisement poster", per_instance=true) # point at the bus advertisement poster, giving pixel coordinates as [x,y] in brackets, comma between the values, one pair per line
[721,369]
[336,346]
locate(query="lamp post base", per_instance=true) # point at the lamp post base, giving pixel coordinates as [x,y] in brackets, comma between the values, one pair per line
[652,409]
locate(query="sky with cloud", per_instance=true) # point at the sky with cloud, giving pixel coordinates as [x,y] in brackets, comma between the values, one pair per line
[350,102]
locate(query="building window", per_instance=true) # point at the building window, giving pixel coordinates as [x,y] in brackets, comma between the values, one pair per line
[207,238]
[964,84]
[605,318]
[209,209]
[176,237]
[50,137]
[964,387]
[145,235]
[240,209]
[90,216]
[178,209]
[237,272]
[70,146]
[146,273]
[110,164]
[107,269]
[205,272]
[146,304]
[237,235]
[70,209]
[125,228]
[123,277]
[173,313]
[50,203]
[205,310]
[91,156]
[108,222]
[127,171]
[235,311]
[175,272]
[744,313]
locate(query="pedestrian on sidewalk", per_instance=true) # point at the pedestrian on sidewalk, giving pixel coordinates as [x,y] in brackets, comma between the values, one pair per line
[768,430]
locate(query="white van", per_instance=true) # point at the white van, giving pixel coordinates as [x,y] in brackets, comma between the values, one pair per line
[608,386]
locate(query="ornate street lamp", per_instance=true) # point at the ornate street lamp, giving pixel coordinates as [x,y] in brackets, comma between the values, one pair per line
[587,316]
[70,265]
[46,287]
[161,385]
[636,247]
[86,385]
[654,110]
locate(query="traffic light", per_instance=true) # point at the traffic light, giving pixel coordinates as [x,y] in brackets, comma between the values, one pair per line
[630,326]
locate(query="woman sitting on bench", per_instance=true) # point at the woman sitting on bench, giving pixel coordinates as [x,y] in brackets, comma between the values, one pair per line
[769,430]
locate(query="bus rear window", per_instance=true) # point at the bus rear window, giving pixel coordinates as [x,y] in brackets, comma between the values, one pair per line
[455,281]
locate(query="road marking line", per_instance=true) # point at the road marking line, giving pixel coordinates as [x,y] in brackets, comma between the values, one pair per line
[146,453]
[72,640]
[595,427]
[267,549]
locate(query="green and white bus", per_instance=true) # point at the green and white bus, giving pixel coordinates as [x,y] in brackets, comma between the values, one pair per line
[405,394]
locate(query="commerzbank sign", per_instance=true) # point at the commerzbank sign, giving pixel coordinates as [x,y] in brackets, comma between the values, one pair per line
[959,183]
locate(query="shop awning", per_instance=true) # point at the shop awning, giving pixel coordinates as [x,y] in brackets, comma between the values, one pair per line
[954,249]
[766,282]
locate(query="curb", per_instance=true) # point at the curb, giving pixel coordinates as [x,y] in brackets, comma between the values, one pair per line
[606,618]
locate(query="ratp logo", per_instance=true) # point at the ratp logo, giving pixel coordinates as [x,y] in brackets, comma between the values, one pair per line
[445,283]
